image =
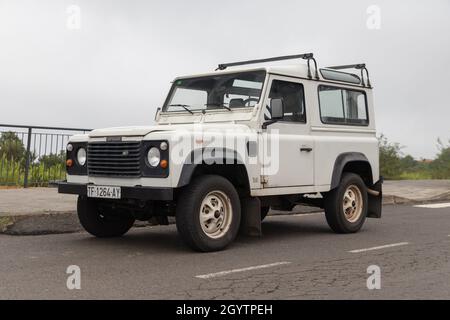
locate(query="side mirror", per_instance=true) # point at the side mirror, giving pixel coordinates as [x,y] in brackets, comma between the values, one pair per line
[277,108]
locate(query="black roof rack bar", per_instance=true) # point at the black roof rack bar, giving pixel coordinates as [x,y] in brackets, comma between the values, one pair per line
[305,56]
[349,66]
[359,66]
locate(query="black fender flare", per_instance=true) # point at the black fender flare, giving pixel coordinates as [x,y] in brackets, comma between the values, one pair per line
[374,201]
[340,163]
[197,157]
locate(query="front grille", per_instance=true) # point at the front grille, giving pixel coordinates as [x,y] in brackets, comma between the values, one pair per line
[114,159]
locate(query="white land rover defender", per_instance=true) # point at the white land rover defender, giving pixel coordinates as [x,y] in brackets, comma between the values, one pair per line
[231,144]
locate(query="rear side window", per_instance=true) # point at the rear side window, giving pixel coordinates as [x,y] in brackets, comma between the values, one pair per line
[343,106]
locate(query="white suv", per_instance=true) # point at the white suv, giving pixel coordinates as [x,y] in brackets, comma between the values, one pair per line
[231,144]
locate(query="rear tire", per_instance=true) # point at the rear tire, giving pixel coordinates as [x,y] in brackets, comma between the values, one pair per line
[346,206]
[100,224]
[208,213]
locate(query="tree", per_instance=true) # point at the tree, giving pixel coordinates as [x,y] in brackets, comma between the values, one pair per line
[408,163]
[53,159]
[390,158]
[11,146]
[440,167]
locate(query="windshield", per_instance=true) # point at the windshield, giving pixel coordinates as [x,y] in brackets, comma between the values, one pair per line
[226,91]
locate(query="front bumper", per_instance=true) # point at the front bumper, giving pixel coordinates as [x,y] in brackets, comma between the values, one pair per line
[140,193]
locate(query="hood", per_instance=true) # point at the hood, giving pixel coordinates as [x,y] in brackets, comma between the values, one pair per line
[137,131]
[140,131]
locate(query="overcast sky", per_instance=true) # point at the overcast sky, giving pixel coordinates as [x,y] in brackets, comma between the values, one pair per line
[115,66]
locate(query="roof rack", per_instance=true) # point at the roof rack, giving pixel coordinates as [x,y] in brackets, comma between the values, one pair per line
[359,66]
[306,56]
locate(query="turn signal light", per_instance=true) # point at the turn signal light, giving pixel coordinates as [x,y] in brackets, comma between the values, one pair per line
[69,162]
[163,164]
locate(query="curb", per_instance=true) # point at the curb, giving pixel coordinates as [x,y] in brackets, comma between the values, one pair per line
[52,223]
[67,222]
[37,224]
[390,199]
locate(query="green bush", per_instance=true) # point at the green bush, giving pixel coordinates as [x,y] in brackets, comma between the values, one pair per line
[13,156]
[12,172]
[440,167]
[395,165]
[390,158]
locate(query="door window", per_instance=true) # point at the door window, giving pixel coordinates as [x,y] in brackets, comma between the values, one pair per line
[293,97]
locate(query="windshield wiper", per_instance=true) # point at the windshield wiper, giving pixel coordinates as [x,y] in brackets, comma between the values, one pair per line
[218,105]
[184,106]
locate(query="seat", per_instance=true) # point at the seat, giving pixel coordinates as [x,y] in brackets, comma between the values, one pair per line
[236,103]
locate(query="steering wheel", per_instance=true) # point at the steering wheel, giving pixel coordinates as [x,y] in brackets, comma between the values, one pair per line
[250,100]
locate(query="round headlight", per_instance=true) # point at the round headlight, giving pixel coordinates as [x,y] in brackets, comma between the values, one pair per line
[81,156]
[69,147]
[153,157]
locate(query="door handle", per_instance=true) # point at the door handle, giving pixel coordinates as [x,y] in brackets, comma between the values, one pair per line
[306,149]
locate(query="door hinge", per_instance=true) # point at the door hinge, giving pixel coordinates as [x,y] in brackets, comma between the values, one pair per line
[264,179]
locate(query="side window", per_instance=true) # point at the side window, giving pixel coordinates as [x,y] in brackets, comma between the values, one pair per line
[293,99]
[342,106]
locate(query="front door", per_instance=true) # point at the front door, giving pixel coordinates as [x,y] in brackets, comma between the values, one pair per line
[291,163]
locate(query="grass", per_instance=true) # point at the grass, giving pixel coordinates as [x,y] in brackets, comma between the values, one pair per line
[12,173]
[5,222]
[417,175]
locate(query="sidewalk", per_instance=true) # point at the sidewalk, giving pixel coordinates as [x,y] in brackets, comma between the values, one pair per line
[404,191]
[43,210]
[35,201]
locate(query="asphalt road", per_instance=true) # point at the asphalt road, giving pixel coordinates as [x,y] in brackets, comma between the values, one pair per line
[297,258]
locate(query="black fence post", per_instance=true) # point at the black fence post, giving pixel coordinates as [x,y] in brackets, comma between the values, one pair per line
[27,160]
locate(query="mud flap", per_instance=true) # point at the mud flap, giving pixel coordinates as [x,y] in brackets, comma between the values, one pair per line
[250,217]
[375,202]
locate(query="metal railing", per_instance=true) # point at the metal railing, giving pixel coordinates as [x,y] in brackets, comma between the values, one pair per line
[33,155]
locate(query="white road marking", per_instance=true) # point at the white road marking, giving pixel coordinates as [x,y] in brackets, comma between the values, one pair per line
[223,273]
[434,205]
[380,247]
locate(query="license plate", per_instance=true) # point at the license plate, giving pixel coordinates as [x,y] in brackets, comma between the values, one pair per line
[103,192]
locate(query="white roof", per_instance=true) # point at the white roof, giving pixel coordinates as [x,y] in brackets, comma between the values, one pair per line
[295,70]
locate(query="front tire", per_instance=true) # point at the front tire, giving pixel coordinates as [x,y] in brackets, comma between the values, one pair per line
[99,223]
[346,206]
[208,213]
